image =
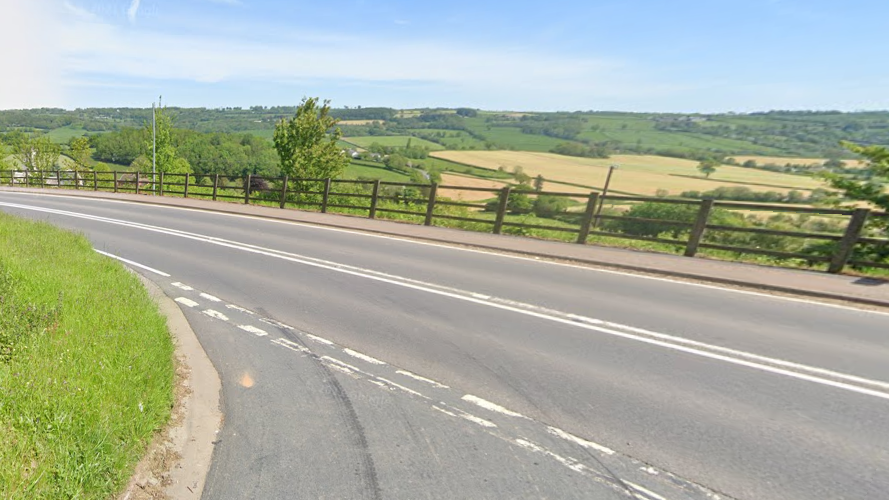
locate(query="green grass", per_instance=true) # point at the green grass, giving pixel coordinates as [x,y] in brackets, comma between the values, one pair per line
[398,141]
[87,378]
[370,170]
[64,134]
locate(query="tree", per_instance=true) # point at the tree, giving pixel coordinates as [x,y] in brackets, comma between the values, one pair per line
[36,154]
[80,152]
[548,205]
[159,142]
[708,166]
[307,143]
[538,183]
[871,187]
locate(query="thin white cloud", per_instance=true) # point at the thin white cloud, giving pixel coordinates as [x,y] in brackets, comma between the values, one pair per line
[133,10]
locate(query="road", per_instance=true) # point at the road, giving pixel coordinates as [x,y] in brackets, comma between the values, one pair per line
[361,366]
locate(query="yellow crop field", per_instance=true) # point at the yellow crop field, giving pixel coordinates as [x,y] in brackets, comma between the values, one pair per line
[468,181]
[638,174]
[360,122]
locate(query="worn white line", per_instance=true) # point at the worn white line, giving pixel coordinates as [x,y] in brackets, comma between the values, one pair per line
[186,302]
[412,284]
[467,416]
[451,247]
[337,362]
[182,286]
[234,307]
[133,263]
[293,346]
[644,491]
[469,398]
[364,357]
[210,297]
[422,379]
[567,462]
[276,323]
[319,339]
[347,371]
[580,441]
[401,387]
[252,329]
[216,314]
[380,384]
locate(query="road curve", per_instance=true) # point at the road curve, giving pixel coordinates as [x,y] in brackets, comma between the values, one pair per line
[360,366]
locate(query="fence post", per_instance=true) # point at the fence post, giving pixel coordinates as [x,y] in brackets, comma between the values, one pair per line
[138,181]
[76,181]
[12,177]
[697,231]
[215,185]
[115,181]
[850,238]
[326,195]
[284,193]
[161,178]
[58,179]
[430,207]
[373,200]
[187,179]
[95,180]
[588,217]
[501,210]
[247,189]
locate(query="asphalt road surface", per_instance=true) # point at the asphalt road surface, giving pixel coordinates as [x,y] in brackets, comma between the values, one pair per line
[361,366]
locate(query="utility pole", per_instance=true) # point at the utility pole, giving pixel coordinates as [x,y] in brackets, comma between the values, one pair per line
[153,149]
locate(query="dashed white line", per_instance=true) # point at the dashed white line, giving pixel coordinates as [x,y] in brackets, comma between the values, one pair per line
[216,314]
[422,379]
[186,302]
[337,362]
[239,309]
[645,491]
[276,323]
[401,387]
[344,370]
[466,416]
[182,286]
[580,441]
[567,462]
[319,339]
[469,398]
[293,346]
[132,263]
[210,297]
[364,357]
[252,329]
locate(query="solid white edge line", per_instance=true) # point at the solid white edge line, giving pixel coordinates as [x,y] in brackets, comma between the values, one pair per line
[132,263]
[485,252]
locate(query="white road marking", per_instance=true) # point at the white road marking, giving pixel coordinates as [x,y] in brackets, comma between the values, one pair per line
[337,362]
[186,302]
[276,323]
[183,286]
[253,330]
[401,387]
[644,491]
[567,462]
[426,287]
[490,406]
[210,297]
[348,371]
[216,314]
[132,263]
[422,379]
[467,416]
[451,247]
[319,339]
[239,309]
[580,441]
[364,357]
[293,346]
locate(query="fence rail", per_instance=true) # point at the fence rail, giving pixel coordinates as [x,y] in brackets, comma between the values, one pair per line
[424,204]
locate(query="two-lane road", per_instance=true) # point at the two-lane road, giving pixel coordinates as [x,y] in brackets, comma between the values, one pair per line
[361,366]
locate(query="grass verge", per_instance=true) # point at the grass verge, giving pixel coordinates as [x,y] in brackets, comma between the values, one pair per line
[86,372]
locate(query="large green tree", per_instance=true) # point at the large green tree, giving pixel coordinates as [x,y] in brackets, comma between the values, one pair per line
[80,151]
[160,143]
[36,154]
[307,143]
[868,184]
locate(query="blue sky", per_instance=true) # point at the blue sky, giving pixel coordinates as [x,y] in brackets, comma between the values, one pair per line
[628,55]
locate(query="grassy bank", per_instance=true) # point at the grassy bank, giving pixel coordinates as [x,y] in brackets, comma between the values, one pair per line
[86,366]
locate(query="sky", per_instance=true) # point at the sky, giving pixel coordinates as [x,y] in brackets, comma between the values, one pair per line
[687,56]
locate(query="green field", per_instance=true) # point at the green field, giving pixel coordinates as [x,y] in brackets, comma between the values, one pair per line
[396,141]
[372,170]
[86,367]
[64,134]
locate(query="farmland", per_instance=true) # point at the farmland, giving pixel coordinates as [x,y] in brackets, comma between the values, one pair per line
[642,175]
[398,141]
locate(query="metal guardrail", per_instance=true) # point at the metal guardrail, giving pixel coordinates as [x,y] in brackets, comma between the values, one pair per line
[326,194]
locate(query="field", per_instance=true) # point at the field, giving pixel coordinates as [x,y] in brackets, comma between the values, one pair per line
[643,175]
[64,134]
[356,170]
[359,122]
[467,181]
[398,141]
[780,160]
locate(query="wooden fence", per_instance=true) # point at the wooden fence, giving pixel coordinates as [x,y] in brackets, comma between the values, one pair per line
[425,204]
